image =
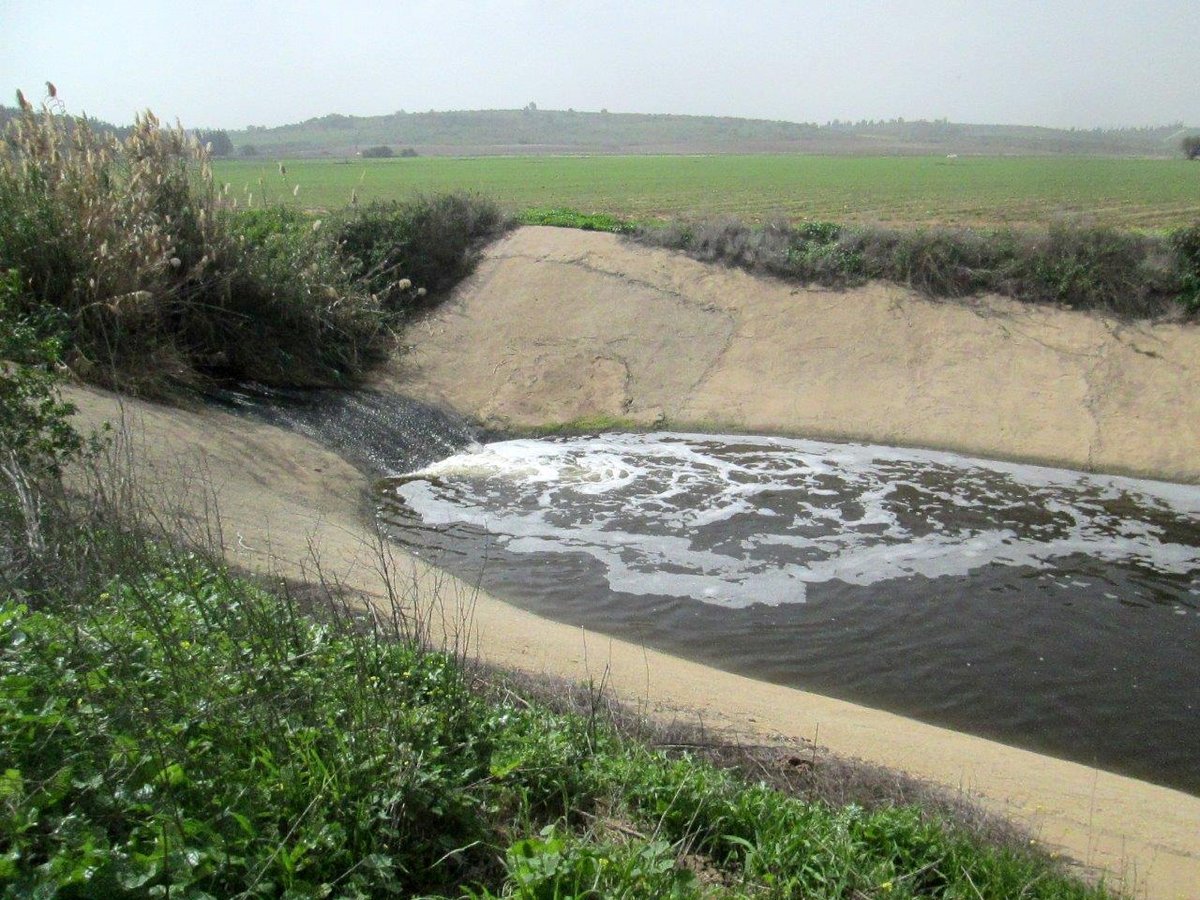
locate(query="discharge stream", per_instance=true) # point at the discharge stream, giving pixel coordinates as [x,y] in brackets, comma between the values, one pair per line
[1042,607]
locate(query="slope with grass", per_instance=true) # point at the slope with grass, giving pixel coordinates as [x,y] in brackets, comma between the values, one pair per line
[184,729]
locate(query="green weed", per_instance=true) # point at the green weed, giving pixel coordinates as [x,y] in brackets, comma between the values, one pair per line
[562,217]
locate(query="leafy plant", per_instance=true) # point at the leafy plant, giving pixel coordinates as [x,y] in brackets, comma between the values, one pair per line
[36,436]
[1185,243]
[558,866]
[560,217]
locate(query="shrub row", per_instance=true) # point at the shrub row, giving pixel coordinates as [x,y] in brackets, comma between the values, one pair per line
[157,281]
[1124,273]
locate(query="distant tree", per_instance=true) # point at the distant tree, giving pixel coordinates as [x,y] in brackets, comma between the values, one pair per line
[248,150]
[408,152]
[221,144]
[381,152]
[531,107]
[1191,146]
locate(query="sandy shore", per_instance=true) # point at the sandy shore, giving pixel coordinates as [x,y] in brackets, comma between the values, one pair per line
[561,324]
[283,502]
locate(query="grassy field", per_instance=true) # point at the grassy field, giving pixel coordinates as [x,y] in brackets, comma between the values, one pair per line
[975,191]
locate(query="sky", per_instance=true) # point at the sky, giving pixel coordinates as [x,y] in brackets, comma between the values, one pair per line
[1065,63]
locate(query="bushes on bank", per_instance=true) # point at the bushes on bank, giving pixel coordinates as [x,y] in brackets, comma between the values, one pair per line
[128,240]
[162,283]
[1124,273]
[1185,244]
[414,252]
[35,436]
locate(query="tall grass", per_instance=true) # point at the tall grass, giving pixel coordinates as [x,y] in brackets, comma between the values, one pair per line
[411,254]
[159,282]
[1126,274]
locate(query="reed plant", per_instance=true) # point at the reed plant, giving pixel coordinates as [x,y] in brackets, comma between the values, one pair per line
[128,240]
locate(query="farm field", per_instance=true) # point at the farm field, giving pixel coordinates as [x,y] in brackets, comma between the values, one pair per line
[976,191]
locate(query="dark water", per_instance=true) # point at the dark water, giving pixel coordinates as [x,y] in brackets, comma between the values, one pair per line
[383,433]
[1041,607]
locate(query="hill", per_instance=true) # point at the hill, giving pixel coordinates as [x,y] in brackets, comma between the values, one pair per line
[536,131]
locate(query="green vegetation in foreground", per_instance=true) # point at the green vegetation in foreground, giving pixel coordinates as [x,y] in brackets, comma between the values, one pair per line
[899,191]
[186,729]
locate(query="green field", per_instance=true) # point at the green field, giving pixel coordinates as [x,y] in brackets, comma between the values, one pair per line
[976,191]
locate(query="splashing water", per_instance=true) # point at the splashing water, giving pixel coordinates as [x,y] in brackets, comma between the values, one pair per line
[1045,607]
[740,521]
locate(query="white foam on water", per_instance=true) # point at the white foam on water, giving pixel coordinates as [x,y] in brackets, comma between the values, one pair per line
[663,512]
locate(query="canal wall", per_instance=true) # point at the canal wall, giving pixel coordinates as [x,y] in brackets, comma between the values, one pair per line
[560,325]
[275,502]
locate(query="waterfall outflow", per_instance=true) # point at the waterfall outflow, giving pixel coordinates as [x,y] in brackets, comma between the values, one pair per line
[386,434]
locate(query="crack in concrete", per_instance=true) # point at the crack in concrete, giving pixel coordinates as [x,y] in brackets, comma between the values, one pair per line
[729,317]
[714,363]
[1091,403]
[582,263]
[627,382]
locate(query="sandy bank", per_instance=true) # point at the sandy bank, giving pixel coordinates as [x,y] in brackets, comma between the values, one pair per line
[559,324]
[282,499]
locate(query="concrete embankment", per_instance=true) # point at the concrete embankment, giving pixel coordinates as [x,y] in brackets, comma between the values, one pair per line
[285,505]
[558,325]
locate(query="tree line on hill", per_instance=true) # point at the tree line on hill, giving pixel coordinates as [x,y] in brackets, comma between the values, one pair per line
[537,130]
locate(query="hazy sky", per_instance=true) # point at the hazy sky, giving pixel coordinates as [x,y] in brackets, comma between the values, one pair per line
[216,63]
